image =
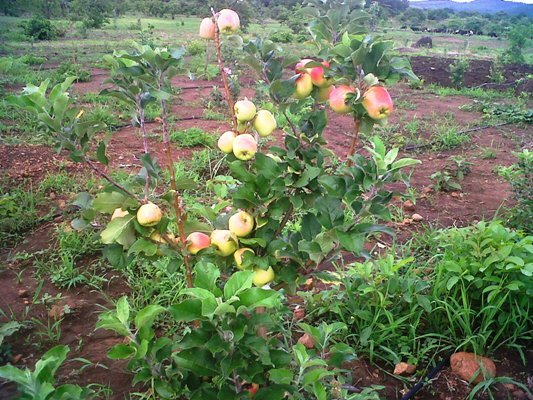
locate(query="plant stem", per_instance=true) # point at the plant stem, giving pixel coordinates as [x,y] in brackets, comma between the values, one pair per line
[95,168]
[140,113]
[181,215]
[351,151]
[218,47]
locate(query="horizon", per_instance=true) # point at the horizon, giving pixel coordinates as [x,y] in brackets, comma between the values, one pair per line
[528,2]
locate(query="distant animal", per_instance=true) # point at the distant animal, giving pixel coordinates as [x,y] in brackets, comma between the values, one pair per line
[415,28]
[493,34]
[403,27]
[424,41]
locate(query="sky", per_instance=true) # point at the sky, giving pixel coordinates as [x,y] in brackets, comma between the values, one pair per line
[468,1]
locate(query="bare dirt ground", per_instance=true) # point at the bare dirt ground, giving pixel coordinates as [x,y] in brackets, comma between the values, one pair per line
[483,194]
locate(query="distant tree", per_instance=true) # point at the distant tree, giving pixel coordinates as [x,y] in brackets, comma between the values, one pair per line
[438,14]
[413,16]
[93,13]
[394,7]
[518,37]
[15,8]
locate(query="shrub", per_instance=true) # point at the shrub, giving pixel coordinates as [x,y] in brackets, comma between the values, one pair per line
[522,185]
[457,71]
[196,47]
[39,28]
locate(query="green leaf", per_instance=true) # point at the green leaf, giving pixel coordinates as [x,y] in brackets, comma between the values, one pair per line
[143,245]
[107,202]
[186,311]
[307,176]
[282,376]
[451,282]
[100,153]
[329,212]
[121,351]
[238,282]
[146,316]
[123,311]
[257,297]
[119,230]
[404,162]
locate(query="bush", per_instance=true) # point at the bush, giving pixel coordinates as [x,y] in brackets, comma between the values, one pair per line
[282,36]
[457,71]
[196,47]
[39,28]
[522,185]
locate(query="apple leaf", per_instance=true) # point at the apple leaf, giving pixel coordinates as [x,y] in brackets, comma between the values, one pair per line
[238,282]
[107,202]
[119,230]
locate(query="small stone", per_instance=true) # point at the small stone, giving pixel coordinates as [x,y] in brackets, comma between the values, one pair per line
[407,221]
[408,205]
[456,195]
[52,195]
[56,312]
[61,204]
[417,217]
[427,190]
[307,341]
[468,365]
[23,293]
[404,369]
[299,313]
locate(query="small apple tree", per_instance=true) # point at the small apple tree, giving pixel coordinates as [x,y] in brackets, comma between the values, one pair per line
[282,214]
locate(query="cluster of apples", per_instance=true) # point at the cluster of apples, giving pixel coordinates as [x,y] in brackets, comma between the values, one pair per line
[312,76]
[226,243]
[244,145]
[227,20]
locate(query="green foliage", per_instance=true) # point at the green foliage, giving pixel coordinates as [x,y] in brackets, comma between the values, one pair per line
[449,177]
[498,112]
[39,28]
[457,71]
[93,13]
[521,215]
[196,47]
[39,384]
[519,36]
[192,137]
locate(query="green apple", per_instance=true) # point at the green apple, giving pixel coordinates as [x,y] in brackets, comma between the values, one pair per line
[241,224]
[304,86]
[149,214]
[224,242]
[244,147]
[238,256]
[263,277]
[244,110]
[225,141]
[264,123]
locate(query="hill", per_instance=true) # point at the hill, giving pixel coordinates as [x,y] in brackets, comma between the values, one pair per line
[481,6]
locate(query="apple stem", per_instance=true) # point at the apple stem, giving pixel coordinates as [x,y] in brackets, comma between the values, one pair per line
[218,46]
[140,113]
[355,136]
[181,215]
[102,174]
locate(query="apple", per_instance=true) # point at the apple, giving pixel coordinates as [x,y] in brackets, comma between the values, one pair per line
[118,213]
[300,66]
[254,388]
[238,256]
[197,241]
[241,224]
[264,123]
[158,238]
[244,110]
[207,29]
[337,99]
[322,94]
[262,277]
[224,241]
[317,76]
[244,147]
[228,21]
[149,214]
[377,102]
[226,140]
[304,86]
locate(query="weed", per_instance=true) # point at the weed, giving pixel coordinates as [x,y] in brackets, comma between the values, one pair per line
[193,137]
[457,71]
[406,105]
[447,135]
[488,153]
[213,115]
[449,177]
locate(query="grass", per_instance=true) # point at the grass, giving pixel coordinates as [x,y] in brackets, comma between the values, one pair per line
[193,137]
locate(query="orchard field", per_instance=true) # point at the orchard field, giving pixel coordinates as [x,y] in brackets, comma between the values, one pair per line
[228,206]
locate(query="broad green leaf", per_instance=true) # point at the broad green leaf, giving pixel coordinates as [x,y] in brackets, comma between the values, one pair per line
[238,282]
[146,316]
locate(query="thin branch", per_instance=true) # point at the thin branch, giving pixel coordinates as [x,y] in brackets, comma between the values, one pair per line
[140,113]
[351,151]
[95,168]
[218,46]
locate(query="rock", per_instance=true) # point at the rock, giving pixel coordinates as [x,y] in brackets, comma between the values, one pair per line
[468,365]
[23,293]
[404,369]
[299,313]
[456,195]
[408,205]
[417,217]
[52,195]
[427,190]
[307,341]
[407,221]
[56,311]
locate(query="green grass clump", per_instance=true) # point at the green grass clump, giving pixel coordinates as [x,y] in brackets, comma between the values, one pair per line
[193,137]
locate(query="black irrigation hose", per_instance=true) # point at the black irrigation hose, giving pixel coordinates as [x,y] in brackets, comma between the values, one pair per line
[430,375]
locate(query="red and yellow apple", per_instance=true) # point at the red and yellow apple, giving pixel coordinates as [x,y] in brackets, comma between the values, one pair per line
[264,123]
[322,94]
[337,99]
[149,214]
[238,256]
[225,141]
[207,29]
[224,242]
[158,238]
[197,241]
[300,66]
[241,224]
[317,76]
[304,86]
[263,277]
[244,147]
[228,21]
[377,102]
[244,110]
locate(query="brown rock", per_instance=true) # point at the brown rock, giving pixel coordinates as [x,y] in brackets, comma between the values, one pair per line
[404,368]
[52,196]
[456,195]
[407,221]
[417,217]
[408,205]
[307,341]
[427,190]
[471,367]
[23,293]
